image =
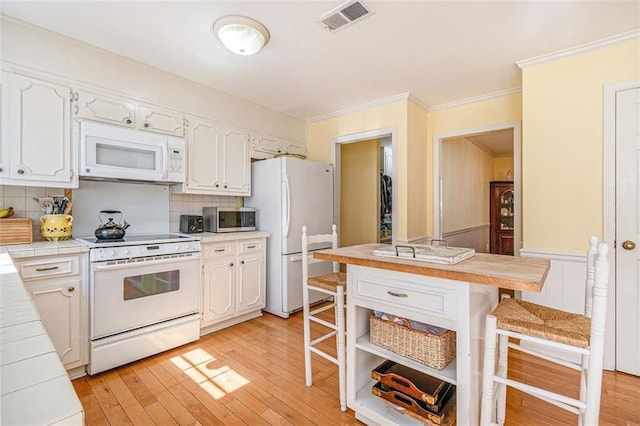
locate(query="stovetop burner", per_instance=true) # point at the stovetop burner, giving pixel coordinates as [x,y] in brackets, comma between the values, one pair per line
[132,239]
[140,245]
[137,238]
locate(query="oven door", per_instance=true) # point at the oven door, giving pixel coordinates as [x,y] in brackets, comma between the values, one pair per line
[126,295]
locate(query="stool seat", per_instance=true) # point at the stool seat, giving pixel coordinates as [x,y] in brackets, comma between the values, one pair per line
[329,281]
[543,322]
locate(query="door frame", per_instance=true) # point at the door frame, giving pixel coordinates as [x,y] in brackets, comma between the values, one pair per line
[438,138]
[391,132]
[608,204]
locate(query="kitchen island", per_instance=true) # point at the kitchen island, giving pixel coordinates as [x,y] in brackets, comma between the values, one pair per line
[456,297]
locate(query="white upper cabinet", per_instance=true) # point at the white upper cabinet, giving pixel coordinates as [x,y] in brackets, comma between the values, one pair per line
[266,146]
[160,120]
[121,111]
[4,142]
[37,133]
[106,109]
[218,160]
[236,163]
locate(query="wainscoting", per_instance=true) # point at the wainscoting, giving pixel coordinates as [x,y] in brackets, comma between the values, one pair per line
[565,287]
[476,237]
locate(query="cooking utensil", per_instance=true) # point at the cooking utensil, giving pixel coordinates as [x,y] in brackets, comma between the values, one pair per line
[111,230]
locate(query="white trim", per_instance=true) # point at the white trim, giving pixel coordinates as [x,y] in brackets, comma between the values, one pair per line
[609,200]
[465,230]
[335,160]
[400,97]
[554,255]
[475,99]
[524,63]
[517,174]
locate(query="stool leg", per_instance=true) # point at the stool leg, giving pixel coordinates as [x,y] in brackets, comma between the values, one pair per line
[307,337]
[341,348]
[488,372]
[501,397]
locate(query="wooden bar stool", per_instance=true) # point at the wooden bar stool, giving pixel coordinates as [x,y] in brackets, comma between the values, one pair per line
[551,328]
[333,285]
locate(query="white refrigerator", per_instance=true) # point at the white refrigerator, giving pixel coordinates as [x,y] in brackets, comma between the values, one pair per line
[289,193]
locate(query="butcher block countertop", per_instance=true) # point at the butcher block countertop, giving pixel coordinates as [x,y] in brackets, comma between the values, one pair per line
[515,273]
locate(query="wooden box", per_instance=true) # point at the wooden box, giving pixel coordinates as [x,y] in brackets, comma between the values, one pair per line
[418,409]
[15,231]
[411,382]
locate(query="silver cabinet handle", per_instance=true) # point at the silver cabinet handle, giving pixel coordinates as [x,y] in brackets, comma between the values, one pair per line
[50,268]
[219,250]
[253,246]
[71,289]
[394,294]
[242,262]
[146,124]
[128,121]
[20,171]
[231,265]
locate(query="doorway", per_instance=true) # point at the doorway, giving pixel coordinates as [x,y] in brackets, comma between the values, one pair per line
[461,209]
[358,159]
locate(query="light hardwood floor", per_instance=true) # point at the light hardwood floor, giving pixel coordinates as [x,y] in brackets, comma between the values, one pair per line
[253,374]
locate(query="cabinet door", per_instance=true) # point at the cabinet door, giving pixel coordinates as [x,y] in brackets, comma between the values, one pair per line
[160,120]
[266,144]
[60,308]
[203,145]
[39,131]
[236,179]
[218,282]
[104,108]
[4,138]
[294,147]
[251,283]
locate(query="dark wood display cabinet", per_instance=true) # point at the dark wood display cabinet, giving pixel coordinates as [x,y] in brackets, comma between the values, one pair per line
[501,217]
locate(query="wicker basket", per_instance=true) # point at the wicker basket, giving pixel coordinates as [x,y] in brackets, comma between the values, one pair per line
[429,349]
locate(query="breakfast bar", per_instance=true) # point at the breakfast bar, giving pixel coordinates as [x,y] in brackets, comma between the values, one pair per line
[455,297]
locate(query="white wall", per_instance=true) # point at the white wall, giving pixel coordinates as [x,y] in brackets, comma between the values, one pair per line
[28,46]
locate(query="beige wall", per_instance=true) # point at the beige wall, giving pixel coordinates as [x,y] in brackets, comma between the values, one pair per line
[359,192]
[466,171]
[418,173]
[499,110]
[320,136]
[562,144]
[503,167]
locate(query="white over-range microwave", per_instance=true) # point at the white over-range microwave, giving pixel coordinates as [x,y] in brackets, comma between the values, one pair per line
[119,153]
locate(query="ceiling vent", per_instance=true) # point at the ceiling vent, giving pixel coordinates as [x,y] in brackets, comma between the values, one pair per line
[343,16]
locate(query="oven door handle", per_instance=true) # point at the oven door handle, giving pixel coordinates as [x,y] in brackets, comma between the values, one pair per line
[110,265]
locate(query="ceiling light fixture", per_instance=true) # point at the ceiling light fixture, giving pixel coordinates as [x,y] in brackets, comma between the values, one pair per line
[241,35]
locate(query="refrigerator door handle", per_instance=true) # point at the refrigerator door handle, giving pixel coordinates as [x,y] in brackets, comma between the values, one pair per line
[285,231]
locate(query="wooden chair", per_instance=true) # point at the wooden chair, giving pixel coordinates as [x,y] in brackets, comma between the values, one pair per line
[333,285]
[550,328]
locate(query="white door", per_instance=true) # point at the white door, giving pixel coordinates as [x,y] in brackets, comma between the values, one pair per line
[307,200]
[203,147]
[236,161]
[628,231]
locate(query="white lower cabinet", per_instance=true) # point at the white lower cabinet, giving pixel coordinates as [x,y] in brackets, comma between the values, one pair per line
[233,282]
[58,288]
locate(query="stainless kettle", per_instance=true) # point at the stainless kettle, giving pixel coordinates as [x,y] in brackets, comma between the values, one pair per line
[111,230]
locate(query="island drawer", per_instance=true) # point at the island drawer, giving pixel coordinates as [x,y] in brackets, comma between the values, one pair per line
[429,299]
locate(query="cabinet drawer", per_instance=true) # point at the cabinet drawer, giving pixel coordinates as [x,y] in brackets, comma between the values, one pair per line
[251,246]
[419,297]
[218,250]
[47,268]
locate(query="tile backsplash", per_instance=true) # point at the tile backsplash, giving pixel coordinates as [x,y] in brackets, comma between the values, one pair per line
[21,199]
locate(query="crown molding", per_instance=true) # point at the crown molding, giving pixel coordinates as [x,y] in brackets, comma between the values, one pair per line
[400,97]
[475,99]
[525,63]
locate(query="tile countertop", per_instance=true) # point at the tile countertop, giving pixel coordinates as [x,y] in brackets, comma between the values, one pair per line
[212,237]
[44,248]
[35,387]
